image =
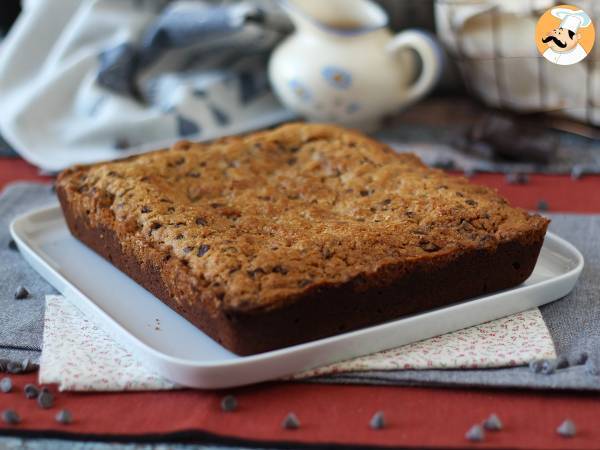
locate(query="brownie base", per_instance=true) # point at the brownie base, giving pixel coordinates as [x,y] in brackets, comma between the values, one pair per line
[327,310]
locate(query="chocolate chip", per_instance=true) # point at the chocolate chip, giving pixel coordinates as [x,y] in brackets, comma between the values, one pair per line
[475,434]
[10,417]
[567,429]
[562,362]
[179,237]
[471,202]
[429,246]
[580,359]
[387,201]
[327,253]
[6,385]
[364,193]
[280,269]
[229,403]
[543,205]
[203,249]
[493,423]
[21,293]
[517,178]
[460,194]
[45,399]
[14,367]
[535,366]
[171,209]
[217,205]
[377,422]
[166,200]
[31,391]
[12,245]
[292,161]
[64,416]
[146,209]
[547,367]
[304,283]
[179,161]
[252,273]
[201,221]
[290,422]
[155,225]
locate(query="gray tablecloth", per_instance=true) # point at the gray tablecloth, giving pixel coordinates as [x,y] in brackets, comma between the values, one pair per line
[574,321]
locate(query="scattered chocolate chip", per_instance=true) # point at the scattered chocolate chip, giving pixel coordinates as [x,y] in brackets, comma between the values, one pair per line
[155,225]
[580,359]
[64,416]
[562,362]
[567,429]
[326,252]
[535,366]
[517,178]
[14,367]
[10,417]
[203,249]
[429,246]
[364,193]
[292,161]
[216,205]
[471,202]
[493,423]
[229,403]
[179,237]
[201,221]
[280,269]
[146,209]
[377,422]
[290,422]
[45,399]
[252,273]
[475,434]
[179,161]
[171,209]
[387,201]
[303,283]
[21,293]
[31,391]
[547,367]
[543,205]
[6,385]
[12,245]
[166,200]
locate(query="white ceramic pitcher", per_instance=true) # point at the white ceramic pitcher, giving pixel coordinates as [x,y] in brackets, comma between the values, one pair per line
[343,65]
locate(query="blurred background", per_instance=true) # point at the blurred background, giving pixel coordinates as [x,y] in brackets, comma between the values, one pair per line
[87,80]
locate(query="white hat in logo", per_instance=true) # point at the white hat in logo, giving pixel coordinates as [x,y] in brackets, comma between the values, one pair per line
[572,20]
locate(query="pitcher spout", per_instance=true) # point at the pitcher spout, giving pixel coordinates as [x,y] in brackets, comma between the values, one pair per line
[341,17]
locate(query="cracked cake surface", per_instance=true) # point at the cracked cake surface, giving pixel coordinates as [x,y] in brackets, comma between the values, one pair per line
[258,220]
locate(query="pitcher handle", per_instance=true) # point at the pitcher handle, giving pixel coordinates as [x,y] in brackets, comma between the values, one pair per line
[431,55]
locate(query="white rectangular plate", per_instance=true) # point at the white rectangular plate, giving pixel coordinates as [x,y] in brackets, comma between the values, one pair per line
[180,352]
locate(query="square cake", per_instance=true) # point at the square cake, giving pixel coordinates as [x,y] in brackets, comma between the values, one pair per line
[298,233]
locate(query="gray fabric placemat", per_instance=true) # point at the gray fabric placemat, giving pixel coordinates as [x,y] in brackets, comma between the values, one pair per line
[574,321]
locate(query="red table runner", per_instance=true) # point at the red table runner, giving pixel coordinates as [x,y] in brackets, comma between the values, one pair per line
[334,414]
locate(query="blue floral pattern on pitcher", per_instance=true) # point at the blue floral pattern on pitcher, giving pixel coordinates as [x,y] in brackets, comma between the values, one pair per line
[300,90]
[337,77]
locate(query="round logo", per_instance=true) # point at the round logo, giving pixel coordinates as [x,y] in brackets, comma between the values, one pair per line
[565,35]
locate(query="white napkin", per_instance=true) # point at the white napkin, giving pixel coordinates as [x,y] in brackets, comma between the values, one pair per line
[79,356]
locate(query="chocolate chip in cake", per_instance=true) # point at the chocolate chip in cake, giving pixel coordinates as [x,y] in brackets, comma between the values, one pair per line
[475,434]
[562,362]
[201,221]
[146,209]
[547,367]
[280,269]
[535,366]
[429,246]
[471,202]
[567,429]
[10,417]
[6,385]
[229,403]
[543,205]
[179,237]
[21,293]
[64,416]
[12,245]
[364,193]
[493,423]
[155,225]
[387,201]
[45,399]
[292,161]
[290,422]
[377,422]
[31,391]
[203,249]
[580,359]
[170,209]
[253,272]
[216,205]
[326,252]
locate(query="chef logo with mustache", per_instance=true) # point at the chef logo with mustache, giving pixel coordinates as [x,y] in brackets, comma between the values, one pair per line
[565,35]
